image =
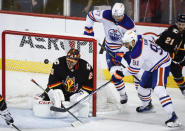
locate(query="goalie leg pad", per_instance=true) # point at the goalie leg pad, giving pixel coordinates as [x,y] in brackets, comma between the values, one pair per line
[56,96]
[81,108]
[41,108]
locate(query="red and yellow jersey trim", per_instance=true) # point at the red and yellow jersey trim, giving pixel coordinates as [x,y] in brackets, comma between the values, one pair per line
[55,85]
[87,88]
[1,98]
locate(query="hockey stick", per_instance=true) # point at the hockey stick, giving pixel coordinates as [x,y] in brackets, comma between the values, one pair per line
[102,49]
[114,58]
[178,48]
[53,108]
[11,124]
[77,123]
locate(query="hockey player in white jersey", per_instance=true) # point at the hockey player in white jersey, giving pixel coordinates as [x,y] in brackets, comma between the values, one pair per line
[115,23]
[155,62]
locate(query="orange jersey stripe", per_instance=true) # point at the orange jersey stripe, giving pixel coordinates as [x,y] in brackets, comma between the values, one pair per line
[160,83]
[120,85]
[131,70]
[88,31]
[117,76]
[162,62]
[169,99]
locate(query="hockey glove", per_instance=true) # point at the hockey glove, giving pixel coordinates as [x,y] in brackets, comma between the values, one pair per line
[118,57]
[44,96]
[7,117]
[116,73]
[89,31]
[117,76]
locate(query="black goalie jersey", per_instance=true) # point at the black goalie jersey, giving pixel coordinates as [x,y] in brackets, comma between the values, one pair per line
[69,81]
[172,41]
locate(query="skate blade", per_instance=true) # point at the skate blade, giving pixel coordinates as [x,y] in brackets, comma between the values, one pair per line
[174,125]
[149,111]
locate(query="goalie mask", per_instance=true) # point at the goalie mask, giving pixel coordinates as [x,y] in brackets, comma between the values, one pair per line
[129,39]
[118,11]
[72,58]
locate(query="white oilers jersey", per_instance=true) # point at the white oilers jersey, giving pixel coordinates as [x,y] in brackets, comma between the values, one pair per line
[148,56]
[114,31]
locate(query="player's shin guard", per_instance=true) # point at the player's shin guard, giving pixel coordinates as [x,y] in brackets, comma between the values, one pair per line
[164,99]
[145,96]
[120,86]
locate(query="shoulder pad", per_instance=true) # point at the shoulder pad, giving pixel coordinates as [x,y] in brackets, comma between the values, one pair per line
[127,23]
[107,14]
[137,50]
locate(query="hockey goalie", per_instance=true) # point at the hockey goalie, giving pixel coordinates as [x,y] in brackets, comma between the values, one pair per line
[70,80]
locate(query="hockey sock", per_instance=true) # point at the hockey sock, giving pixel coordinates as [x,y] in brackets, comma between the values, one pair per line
[144,95]
[164,99]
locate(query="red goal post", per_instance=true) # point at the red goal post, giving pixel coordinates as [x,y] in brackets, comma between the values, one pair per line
[41,35]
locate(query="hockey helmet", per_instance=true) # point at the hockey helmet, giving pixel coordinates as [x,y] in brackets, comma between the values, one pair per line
[181,18]
[118,11]
[181,22]
[130,37]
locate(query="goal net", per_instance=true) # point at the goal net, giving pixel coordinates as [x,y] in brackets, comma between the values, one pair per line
[28,55]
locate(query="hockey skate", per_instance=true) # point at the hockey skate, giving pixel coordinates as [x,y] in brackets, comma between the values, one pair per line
[145,108]
[124,99]
[7,117]
[172,122]
[183,90]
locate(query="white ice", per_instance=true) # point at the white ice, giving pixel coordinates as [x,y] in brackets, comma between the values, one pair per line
[125,120]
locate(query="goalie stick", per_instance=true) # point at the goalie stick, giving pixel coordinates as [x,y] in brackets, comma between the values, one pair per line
[74,124]
[114,58]
[11,124]
[53,108]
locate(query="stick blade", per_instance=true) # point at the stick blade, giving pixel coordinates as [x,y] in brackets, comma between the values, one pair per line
[76,124]
[14,126]
[56,109]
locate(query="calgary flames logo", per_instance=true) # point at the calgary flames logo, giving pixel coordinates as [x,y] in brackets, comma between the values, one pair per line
[70,85]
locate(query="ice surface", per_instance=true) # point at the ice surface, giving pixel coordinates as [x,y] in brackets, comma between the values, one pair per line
[125,120]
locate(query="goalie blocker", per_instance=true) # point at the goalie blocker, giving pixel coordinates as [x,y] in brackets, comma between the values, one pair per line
[70,80]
